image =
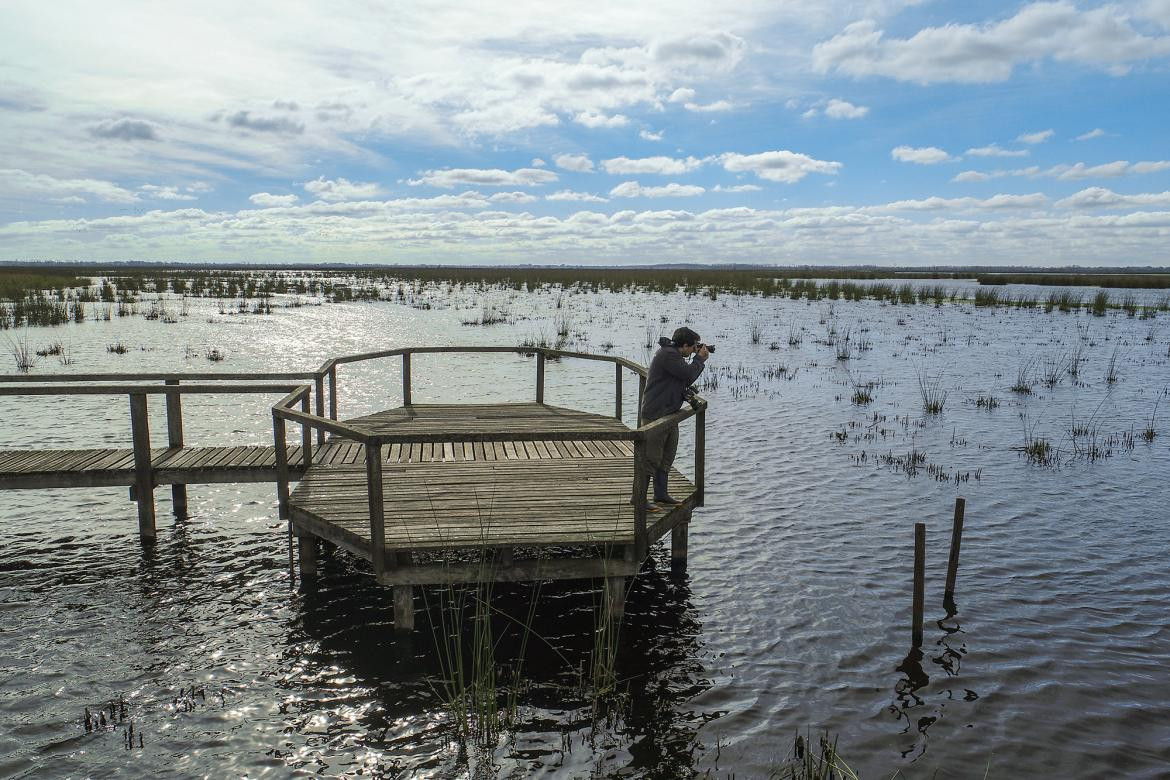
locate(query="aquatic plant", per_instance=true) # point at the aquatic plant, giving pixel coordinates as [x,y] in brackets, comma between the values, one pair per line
[756,329]
[1023,383]
[1100,303]
[22,355]
[1111,369]
[1054,369]
[988,402]
[807,763]
[117,348]
[930,389]
[1150,431]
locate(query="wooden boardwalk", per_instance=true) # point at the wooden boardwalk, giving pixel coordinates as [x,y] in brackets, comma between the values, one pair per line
[425,492]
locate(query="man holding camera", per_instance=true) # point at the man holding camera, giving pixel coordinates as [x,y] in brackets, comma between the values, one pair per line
[669,378]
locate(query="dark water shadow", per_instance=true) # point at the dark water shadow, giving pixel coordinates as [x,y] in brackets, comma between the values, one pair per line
[345,622]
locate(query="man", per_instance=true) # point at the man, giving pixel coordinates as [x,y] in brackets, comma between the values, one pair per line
[669,377]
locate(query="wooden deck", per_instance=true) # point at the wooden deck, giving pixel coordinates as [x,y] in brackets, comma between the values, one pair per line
[422,490]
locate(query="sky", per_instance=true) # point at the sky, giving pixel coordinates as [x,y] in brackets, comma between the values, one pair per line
[830,132]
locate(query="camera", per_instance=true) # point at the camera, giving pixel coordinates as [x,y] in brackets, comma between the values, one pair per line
[710,347]
[691,395]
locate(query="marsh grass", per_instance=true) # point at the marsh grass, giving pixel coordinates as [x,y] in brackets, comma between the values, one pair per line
[1037,450]
[756,329]
[1100,303]
[987,402]
[117,348]
[1054,369]
[931,392]
[1151,431]
[1111,375]
[1024,371]
[863,393]
[22,355]
[808,763]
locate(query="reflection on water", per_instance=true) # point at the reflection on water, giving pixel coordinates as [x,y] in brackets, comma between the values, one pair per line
[793,614]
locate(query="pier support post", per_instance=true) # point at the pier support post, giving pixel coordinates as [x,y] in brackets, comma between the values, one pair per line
[307,546]
[143,476]
[953,559]
[175,439]
[678,543]
[403,608]
[319,390]
[919,583]
[615,597]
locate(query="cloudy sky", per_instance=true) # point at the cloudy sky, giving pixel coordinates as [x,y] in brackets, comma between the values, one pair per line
[804,131]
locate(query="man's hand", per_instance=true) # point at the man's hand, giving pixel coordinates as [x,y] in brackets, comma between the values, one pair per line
[703,352]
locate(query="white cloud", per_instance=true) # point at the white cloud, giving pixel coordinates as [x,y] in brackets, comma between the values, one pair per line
[574,162]
[718,105]
[941,231]
[537,163]
[632,189]
[994,203]
[165,192]
[572,195]
[682,95]
[594,119]
[737,188]
[923,155]
[1101,198]
[512,197]
[719,50]
[1094,133]
[1104,37]
[484,177]
[995,150]
[781,165]
[661,166]
[18,183]
[268,200]
[842,109]
[1074,172]
[1035,138]
[648,135]
[339,189]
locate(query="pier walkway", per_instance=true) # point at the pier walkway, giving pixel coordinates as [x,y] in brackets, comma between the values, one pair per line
[430,494]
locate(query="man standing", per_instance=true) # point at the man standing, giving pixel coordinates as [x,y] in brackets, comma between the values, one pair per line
[669,376]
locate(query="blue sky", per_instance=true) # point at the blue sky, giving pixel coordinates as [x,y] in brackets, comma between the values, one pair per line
[827,132]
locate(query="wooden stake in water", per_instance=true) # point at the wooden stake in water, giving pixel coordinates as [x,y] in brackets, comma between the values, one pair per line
[919,581]
[956,540]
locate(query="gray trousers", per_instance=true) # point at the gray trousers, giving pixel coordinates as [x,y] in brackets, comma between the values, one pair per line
[657,455]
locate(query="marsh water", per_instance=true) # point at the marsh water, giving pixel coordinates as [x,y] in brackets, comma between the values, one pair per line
[792,617]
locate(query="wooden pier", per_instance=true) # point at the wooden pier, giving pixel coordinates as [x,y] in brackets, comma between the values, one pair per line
[426,492]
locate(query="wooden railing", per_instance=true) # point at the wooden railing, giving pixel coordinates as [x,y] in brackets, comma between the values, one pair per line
[373,444]
[140,421]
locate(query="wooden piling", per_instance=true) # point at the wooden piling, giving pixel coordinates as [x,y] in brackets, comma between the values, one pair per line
[306,436]
[282,491]
[403,608]
[919,582]
[700,452]
[617,391]
[377,510]
[307,546]
[641,394]
[641,484]
[615,598]
[319,388]
[175,440]
[540,377]
[333,391]
[956,541]
[678,544]
[143,477]
[406,379]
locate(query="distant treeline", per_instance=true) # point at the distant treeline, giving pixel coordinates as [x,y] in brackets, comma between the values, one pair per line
[1149,281]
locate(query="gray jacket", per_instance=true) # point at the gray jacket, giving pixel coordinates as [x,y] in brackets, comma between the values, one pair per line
[670,375]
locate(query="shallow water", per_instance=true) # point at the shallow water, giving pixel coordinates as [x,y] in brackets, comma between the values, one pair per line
[793,615]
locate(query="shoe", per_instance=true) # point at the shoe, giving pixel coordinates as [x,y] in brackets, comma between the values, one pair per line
[649,507]
[660,494]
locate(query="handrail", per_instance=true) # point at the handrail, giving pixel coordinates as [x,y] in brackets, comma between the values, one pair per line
[167,390]
[146,377]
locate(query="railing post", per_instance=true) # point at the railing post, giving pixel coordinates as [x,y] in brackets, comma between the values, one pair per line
[306,436]
[377,510]
[539,376]
[143,477]
[333,391]
[319,384]
[617,394]
[641,483]
[175,439]
[406,379]
[700,452]
[641,393]
[278,435]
